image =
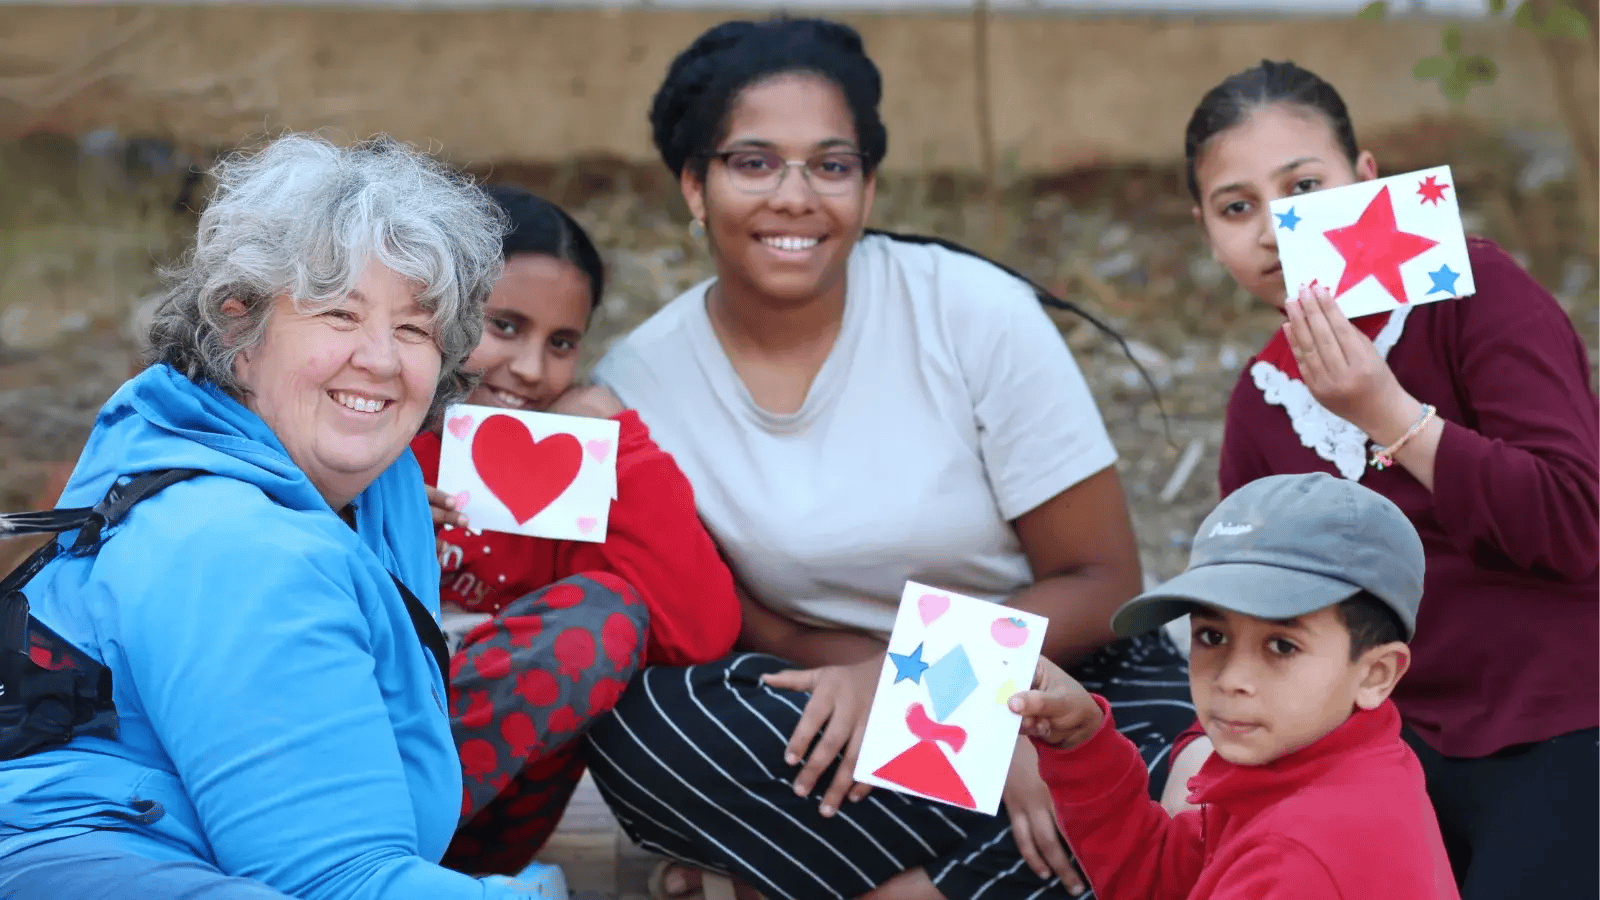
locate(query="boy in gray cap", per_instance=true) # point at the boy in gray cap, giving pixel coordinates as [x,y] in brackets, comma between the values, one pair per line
[1302,591]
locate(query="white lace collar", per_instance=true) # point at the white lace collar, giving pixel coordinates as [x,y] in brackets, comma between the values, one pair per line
[1329,436]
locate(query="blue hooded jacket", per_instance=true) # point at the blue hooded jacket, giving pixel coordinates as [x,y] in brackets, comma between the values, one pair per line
[279,717]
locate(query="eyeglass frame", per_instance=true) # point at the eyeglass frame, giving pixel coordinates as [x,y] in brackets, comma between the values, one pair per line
[803,164]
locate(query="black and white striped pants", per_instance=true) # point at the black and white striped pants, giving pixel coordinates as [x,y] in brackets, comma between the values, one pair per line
[691,763]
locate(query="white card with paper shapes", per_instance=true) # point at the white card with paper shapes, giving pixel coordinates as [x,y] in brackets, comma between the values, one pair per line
[940,726]
[530,473]
[1378,244]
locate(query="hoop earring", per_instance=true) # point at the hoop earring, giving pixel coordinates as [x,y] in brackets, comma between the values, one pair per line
[697,229]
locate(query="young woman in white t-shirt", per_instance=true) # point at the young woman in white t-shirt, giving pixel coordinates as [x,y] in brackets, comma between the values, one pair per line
[854,410]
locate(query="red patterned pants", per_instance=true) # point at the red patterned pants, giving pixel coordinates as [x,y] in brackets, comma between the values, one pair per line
[523,688]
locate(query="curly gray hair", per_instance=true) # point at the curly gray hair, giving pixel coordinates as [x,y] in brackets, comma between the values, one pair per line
[303,217]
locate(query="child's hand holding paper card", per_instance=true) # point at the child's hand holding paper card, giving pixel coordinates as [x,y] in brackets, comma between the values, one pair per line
[1376,244]
[940,726]
[530,473]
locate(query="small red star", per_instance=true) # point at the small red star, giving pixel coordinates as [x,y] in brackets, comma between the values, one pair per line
[1431,191]
[1375,246]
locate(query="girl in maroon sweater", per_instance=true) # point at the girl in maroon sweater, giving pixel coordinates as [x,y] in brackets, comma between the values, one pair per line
[1498,475]
[567,623]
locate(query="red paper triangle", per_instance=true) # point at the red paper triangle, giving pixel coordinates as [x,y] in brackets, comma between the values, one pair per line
[925,769]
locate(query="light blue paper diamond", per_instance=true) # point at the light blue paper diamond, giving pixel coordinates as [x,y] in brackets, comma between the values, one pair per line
[950,681]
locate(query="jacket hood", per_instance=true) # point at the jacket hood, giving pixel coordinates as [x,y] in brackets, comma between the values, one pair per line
[159,419]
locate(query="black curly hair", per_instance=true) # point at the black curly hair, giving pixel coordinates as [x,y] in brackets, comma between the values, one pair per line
[1241,93]
[689,114]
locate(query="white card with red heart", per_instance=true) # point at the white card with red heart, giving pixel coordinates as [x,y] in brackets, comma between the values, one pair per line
[532,473]
[1378,244]
[940,726]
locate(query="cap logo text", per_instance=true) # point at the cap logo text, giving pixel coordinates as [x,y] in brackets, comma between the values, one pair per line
[1229,528]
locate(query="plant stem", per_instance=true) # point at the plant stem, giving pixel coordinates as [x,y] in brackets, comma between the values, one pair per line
[983,114]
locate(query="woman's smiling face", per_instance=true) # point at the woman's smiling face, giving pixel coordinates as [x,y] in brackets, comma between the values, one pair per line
[791,244]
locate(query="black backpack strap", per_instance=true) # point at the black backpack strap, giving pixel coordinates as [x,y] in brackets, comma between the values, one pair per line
[427,629]
[50,691]
[92,521]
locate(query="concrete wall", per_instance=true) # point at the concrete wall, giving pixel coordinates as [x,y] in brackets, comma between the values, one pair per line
[546,84]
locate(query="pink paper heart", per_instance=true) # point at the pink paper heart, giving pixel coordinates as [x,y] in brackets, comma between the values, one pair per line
[460,426]
[586,524]
[598,449]
[932,606]
[461,500]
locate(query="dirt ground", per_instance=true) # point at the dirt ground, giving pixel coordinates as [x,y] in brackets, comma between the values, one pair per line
[86,229]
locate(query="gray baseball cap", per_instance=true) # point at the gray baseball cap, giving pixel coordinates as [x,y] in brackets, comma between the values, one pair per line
[1286,545]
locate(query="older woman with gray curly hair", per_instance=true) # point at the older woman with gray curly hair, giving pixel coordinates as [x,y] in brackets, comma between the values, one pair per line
[267,717]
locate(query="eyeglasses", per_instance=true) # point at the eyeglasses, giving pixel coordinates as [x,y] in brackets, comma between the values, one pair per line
[761,171]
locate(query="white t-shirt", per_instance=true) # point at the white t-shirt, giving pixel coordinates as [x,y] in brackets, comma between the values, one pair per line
[948,406]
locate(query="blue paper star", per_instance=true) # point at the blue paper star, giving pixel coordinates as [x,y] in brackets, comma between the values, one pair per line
[1444,280]
[909,666]
[1287,220]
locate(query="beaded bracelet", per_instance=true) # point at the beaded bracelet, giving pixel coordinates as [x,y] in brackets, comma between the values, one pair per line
[1384,457]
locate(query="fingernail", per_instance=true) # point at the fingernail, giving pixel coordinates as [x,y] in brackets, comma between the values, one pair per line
[792,760]
[675,883]
[1076,890]
[1015,704]
[827,810]
[801,790]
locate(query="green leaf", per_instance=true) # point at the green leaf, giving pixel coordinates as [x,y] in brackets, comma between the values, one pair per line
[1431,67]
[1452,40]
[1496,7]
[1480,69]
[1373,11]
[1526,17]
[1564,20]
[1455,86]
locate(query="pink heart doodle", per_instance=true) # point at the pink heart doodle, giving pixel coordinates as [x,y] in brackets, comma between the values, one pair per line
[586,524]
[461,500]
[598,449]
[932,606]
[460,426]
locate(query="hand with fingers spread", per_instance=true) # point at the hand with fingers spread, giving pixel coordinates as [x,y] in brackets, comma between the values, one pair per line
[835,718]
[1033,820]
[1342,369]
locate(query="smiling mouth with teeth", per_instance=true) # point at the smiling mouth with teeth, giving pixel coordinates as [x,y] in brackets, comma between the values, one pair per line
[508,399]
[793,244]
[358,403]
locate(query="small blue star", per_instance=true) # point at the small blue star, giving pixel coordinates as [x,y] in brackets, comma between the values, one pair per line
[1287,220]
[1444,280]
[909,666]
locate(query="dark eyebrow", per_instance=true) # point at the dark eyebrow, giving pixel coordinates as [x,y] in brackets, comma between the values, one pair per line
[1276,173]
[501,312]
[1204,612]
[822,146]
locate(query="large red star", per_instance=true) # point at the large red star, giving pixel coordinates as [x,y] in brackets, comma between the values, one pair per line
[1431,191]
[1375,246]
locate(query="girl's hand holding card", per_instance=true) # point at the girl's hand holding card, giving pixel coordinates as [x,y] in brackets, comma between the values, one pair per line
[1341,368]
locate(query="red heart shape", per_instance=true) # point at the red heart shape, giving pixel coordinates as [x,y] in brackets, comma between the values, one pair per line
[524,474]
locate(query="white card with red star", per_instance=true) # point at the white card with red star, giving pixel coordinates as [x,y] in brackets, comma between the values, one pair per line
[1377,244]
[532,473]
[939,726]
